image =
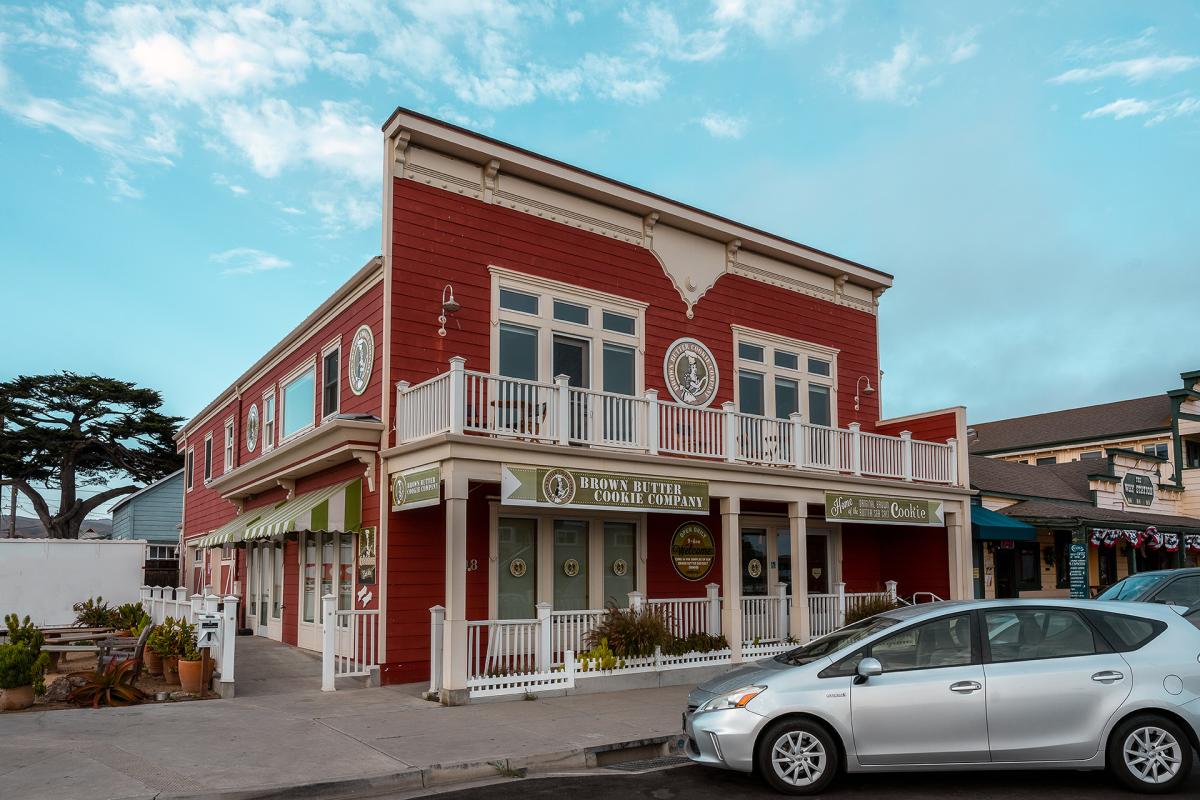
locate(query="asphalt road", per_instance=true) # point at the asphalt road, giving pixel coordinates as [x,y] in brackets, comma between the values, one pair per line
[692,782]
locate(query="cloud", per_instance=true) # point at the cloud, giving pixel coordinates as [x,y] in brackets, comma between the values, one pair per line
[666,38]
[724,127]
[1134,70]
[1158,111]
[614,78]
[962,47]
[248,261]
[890,79]
[774,20]
[221,180]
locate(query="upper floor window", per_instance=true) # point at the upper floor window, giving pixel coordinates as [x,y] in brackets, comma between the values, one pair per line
[1091,454]
[546,328]
[189,465]
[777,377]
[1044,460]
[268,420]
[230,444]
[1158,450]
[299,397]
[330,393]
[208,458]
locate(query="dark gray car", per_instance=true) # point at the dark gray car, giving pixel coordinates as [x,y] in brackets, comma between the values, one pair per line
[1176,587]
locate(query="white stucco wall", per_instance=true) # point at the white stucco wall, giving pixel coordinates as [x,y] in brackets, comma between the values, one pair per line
[45,577]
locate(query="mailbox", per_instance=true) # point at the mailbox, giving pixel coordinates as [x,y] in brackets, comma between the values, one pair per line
[208,629]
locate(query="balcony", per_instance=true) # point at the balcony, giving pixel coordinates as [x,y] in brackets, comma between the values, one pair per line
[463,401]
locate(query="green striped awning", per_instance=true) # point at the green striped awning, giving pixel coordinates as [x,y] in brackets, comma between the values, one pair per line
[231,532]
[336,508]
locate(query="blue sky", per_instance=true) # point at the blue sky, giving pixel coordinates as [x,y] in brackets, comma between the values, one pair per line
[182,183]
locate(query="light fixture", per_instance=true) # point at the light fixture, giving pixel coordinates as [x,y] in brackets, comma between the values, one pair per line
[867,390]
[449,306]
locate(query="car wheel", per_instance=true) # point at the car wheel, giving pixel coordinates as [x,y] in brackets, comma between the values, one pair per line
[798,756]
[1150,754]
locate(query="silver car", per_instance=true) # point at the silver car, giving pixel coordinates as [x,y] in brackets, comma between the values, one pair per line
[1003,684]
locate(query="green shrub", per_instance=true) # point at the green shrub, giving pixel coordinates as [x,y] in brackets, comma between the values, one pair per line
[94,614]
[21,666]
[629,633]
[599,659]
[24,633]
[870,608]
[129,616]
[167,640]
[695,643]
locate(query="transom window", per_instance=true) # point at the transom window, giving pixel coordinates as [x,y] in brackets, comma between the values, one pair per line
[545,328]
[777,377]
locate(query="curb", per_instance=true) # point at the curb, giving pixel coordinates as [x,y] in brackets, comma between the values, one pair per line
[437,775]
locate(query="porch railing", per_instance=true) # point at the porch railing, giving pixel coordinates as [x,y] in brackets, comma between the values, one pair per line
[467,401]
[827,612]
[162,602]
[349,642]
[765,618]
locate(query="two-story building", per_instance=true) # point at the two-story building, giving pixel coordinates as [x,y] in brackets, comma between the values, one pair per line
[153,513]
[555,393]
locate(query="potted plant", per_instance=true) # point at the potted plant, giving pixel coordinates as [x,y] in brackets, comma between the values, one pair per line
[165,643]
[129,619]
[93,614]
[191,661]
[151,660]
[22,665]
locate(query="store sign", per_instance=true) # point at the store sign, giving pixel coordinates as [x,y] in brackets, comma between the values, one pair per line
[417,488]
[558,487]
[368,548]
[693,551]
[1138,489]
[690,372]
[841,507]
[1077,565]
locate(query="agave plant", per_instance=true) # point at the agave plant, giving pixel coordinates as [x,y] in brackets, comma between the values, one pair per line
[129,617]
[112,686]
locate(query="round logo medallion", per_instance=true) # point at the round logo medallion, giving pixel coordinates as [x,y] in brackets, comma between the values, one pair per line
[690,372]
[362,359]
[559,486]
[693,551]
[399,490]
[754,568]
[570,568]
[517,567]
[252,428]
[620,567]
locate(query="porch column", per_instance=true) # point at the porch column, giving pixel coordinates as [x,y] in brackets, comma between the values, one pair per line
[731,575]
[454,652]
[958,552]
[798,625]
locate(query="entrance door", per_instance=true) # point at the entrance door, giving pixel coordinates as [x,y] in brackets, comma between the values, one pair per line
[275,619]
[818,563]
[570,564]
[1005,562]
[327,568]
[516,590]
[571,358]
[783,557]
[754,562]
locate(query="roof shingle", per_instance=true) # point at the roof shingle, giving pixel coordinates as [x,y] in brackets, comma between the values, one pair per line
[1103,421]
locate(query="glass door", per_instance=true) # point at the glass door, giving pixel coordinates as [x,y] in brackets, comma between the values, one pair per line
[783,557]
[275,624]
[754,562]
[818,563]
[570,564]
[571,358]
[262,581]
[620,562]
[517,573]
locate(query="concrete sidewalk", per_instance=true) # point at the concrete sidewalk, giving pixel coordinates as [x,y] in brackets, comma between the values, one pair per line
[282,733]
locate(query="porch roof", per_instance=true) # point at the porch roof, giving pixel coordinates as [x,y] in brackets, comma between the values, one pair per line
[231,532]
[334,508]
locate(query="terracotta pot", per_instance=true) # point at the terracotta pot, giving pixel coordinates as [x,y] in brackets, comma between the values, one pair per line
[123,632]
[171,670]
[191,675]
[152,661]
[16,699]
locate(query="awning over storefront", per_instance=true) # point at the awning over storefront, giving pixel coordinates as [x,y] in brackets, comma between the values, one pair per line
[988,526]
[335,508]
[231,532]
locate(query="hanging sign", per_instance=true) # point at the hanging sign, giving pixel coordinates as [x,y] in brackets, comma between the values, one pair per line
[1077,565]
[693,551]
[558,487]
[417,487]
[367,550]
[1138,489]
[842,507]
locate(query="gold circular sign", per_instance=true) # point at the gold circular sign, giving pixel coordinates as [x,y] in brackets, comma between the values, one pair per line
[570,567]
[559,486]
[517,567]
[620,567]
[754,568]
[693,551]
[690,372]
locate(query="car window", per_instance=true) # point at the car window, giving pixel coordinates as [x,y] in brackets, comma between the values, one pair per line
[1126,633]
[1183,591]
[944,642]
[1026,634]
[1193,617]
[831,643]
[1130,588]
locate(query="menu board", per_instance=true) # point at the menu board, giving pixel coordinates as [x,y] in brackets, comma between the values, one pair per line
[1077,564]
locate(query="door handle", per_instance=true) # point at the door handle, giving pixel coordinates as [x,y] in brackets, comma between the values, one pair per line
[966,687]
[1108,676]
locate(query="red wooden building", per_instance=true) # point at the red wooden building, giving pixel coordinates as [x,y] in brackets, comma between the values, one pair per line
[556,392]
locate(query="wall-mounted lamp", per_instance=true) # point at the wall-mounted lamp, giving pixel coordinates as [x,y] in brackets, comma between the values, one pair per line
[867,390]
[449,306]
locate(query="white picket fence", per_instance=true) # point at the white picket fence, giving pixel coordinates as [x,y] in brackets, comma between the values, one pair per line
[162,602]
[349,643]
[765,618]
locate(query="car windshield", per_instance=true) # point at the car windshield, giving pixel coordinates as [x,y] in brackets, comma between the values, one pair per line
[819,648]
[1130,588]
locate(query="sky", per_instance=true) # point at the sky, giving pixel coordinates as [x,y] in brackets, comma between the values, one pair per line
[182,183]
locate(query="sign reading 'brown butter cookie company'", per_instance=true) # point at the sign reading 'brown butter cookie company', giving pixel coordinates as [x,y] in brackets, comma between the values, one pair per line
[693,551]
[559,487]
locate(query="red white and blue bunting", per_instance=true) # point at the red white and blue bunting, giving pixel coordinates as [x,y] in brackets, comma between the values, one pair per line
[1150,538]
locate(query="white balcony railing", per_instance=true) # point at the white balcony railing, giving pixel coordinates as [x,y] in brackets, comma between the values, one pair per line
[466,401]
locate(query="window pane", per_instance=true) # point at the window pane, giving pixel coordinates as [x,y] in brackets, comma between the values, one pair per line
[785,360]
[570,312]
[518,301]
[1126,633]
[750,392]
[310,576]
[1044,460]
[1183,591]
[329,384]
[620,562]
[298,403]
[570,556]
[818,366]
[1092,454]
[518,352]
[1033,634]
[619,367]
[787,397]
[941,643]
[818,405]
[619,323]
[750,352]
[571,358]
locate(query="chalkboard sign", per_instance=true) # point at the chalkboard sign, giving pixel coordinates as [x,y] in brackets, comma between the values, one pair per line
[1077,562]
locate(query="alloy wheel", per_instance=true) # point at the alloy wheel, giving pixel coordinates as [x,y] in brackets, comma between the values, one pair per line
[1152,754]
[799,758]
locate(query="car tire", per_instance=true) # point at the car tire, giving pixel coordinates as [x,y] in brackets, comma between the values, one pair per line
[798,757]
[1149,754]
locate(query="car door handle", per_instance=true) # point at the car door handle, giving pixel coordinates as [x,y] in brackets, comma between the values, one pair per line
[1108,676]
[966,687]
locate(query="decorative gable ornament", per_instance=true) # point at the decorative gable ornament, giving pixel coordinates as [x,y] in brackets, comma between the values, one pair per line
[690,372]
[252,426]
[362,359]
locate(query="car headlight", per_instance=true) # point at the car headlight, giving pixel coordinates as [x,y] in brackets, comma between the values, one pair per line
[738,698]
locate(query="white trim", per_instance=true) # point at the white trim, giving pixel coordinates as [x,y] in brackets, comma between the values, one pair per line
[207,469]
[291,378]
[268,442]
[229,449]
[256,428]
[770,342]
[334,346]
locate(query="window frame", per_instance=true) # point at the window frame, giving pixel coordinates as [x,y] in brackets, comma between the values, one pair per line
[267,442]
[334,348]
[835,670]
[230,449]
[208,466]
[1103,646]
[189,462]
[771,371]
[1045,461]
[281,404]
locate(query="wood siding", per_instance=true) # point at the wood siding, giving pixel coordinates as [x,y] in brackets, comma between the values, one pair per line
[154,514]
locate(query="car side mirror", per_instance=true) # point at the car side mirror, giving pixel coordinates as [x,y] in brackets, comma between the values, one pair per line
[867,668]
